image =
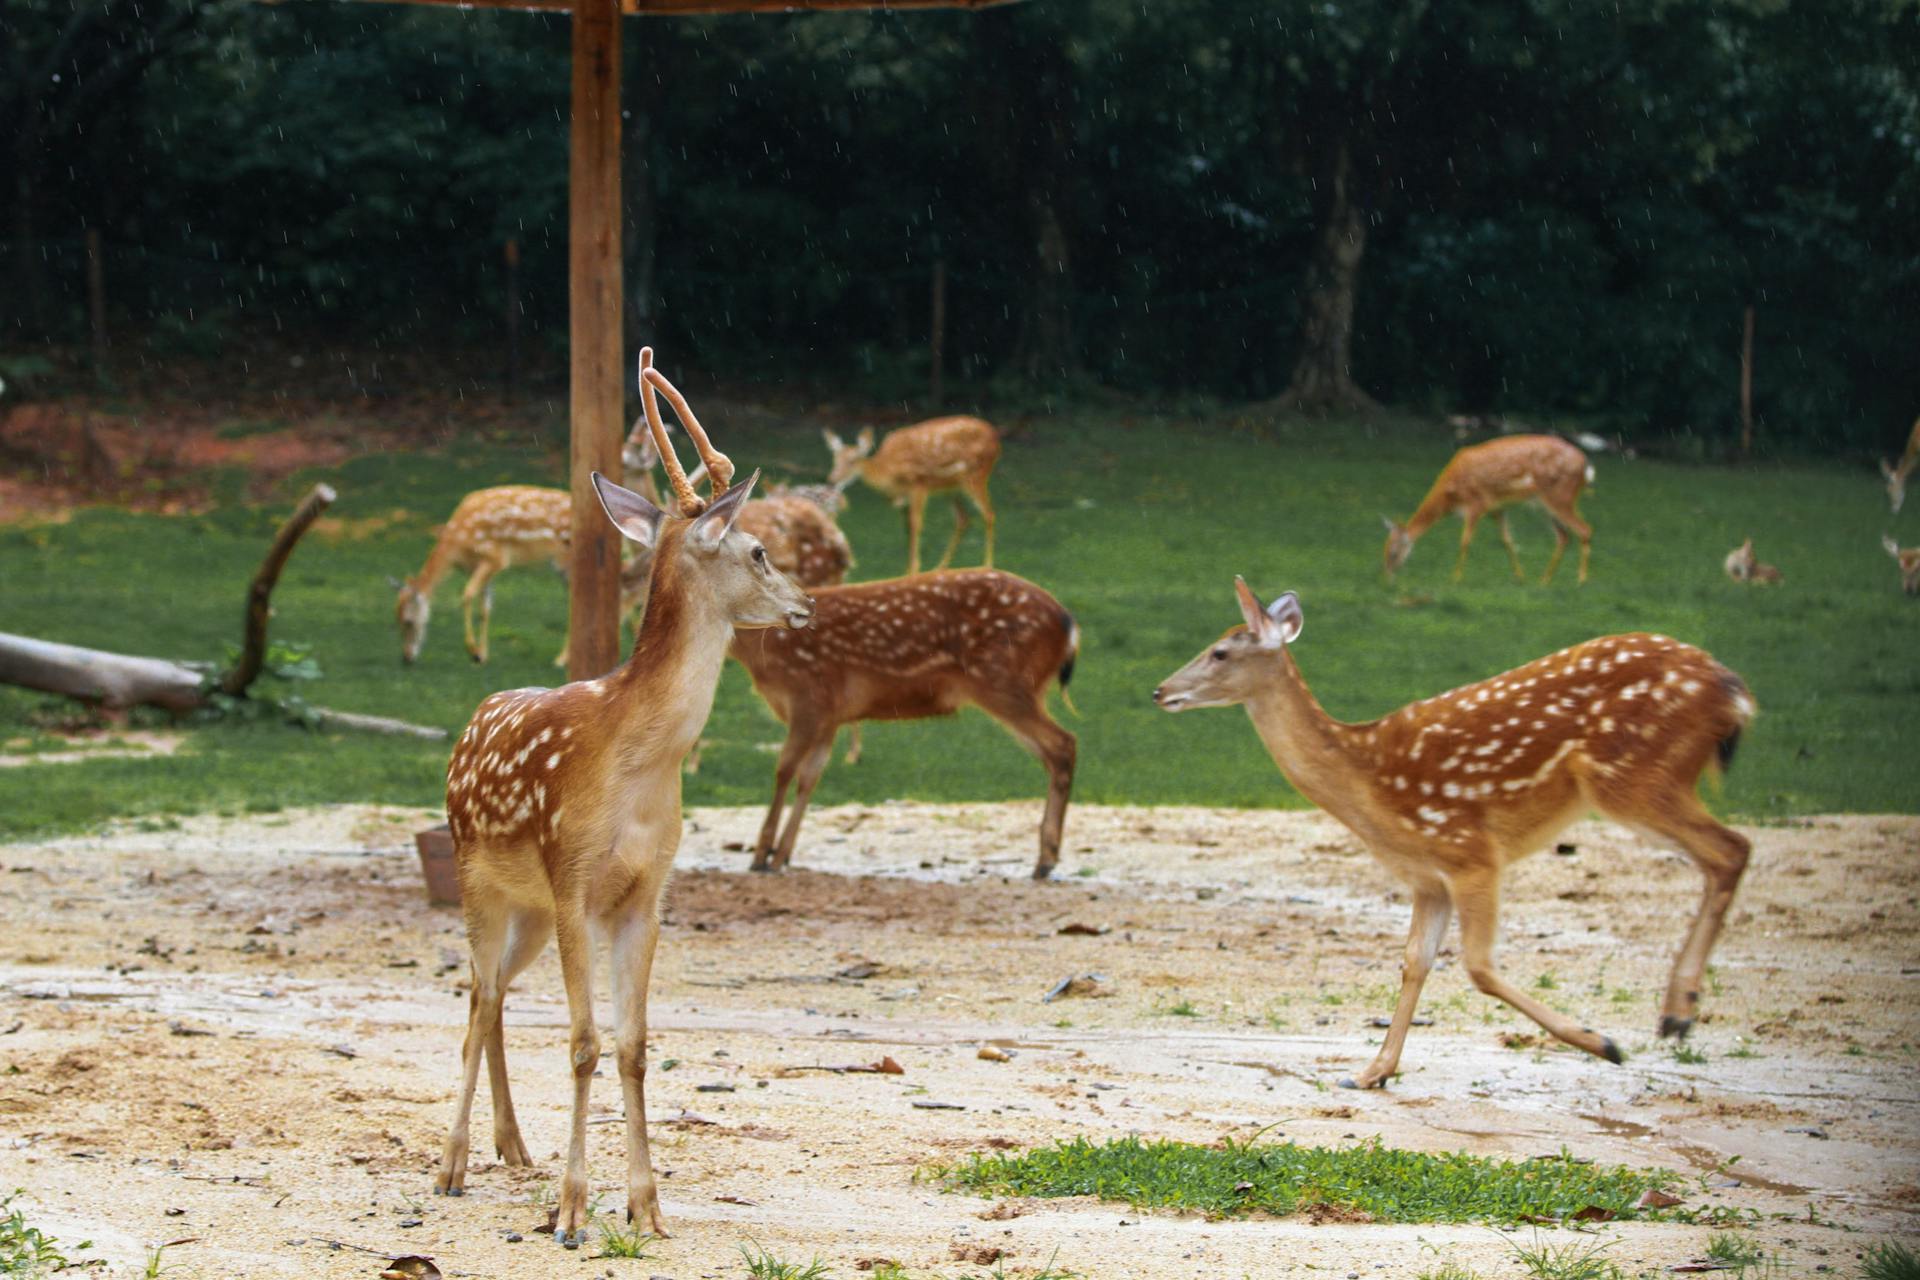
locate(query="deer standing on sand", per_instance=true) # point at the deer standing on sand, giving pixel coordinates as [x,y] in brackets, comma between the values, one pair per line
[907,649]
[1897,473]
[1447,791]
[565,809]
[1742,565]
[491,530]
[916,462]
[1908,559]
[1485,479]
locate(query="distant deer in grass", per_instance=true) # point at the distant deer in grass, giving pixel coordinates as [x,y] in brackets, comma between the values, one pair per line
[491,530]
[1485,479]
[565,810]
[1897,472]
[1908,559]
[916,462]
[907,649]
[1742,565]
[1447,791]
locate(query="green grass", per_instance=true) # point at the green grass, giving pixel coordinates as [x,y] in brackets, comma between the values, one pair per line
[1890,1260]
[1137,523]
[1386,1184]
[762,1265]
[1574,1260]
[624,1241]
[24,1249]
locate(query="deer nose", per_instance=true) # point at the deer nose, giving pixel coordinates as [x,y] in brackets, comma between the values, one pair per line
[1156,694]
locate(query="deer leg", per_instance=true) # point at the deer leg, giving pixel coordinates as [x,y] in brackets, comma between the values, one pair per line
[576,970]
[1565,515]
[1431,911]
[977,490]
[790,752]
[486,932]
[960,522]
[527,934]
[853,743]
[812,764]
[1513,553]
[1468,519]
[916,515]
[633,946]
[479,587]
[1027,720]
[1721,854]
[1559,548]
[1476,896]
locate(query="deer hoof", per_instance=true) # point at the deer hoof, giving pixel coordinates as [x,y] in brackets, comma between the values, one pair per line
[1043,872]
[1348,1082]
[1611,1051]
[1675,1027]
[571,1239]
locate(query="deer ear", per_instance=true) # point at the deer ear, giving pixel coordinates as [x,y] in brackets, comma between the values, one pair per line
[1389,522]
[713,526]
[395,583]
[1250,610]
[834,442]
[1286,619]
[637,519]
[865,440]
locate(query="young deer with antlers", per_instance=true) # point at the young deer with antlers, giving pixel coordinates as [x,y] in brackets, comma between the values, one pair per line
[1485,479]
[1447,791]
[1897,472]
[907,649]
[565,809]
[913,463]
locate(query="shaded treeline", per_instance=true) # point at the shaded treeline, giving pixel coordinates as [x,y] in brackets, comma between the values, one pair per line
[1536,206]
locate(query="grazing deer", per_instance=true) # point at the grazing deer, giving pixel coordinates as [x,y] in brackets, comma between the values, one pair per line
[1897,473]
[907,649]
[565,809]
[1909,560]
[1446,792]
[491,530]
[916,462]
[1484,479]
[1743,566]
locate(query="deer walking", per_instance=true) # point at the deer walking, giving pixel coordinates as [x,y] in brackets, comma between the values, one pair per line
[913,463]
[1908,558]
[1485,479]
[907,649]
[1449,790]
[1897,472]
[565,809]
[1742,565]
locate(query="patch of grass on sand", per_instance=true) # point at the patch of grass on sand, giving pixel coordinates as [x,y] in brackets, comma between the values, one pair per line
[1369,1181]
[1890,1260]
[24,1249]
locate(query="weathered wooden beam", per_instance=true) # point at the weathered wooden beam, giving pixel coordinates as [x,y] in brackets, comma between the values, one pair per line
[595,317]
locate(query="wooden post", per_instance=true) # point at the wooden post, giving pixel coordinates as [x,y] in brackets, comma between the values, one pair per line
[513,319]
[937,330]
[595,337]
[97,302]
[1746,387]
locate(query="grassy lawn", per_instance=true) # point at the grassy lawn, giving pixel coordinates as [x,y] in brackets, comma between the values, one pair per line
[1138,524]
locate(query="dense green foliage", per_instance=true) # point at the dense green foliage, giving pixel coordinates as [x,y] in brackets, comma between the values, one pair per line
[1565,206]
[1138,525]
[1385,1183]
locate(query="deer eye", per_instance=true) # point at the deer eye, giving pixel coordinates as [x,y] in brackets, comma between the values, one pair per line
[1220,654]
[759,555]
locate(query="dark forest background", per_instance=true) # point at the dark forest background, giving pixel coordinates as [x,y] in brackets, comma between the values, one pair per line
[1527,206]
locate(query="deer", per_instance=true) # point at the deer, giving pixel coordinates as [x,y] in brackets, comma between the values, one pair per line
[1897,473]
[1742,565]
[913,463]
[1447,791]
[1485,479]
[907,649]
[1908,559]
[564,806]
[491,530]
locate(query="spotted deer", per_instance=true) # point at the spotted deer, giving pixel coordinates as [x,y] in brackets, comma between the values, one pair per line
[1447,791]
[491,530]
[907,649]
[565,810]
[1485,479]
[1742,565]
[1896,473]
[1908,558]
[913,463]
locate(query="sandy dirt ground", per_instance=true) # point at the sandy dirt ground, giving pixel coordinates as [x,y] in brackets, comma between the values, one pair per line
[242,1036]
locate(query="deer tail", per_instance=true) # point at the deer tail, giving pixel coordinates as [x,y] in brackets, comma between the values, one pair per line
[1744,708]
[1073,655]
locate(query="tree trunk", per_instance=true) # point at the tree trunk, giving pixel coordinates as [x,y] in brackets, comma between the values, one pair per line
[1322,380]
